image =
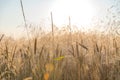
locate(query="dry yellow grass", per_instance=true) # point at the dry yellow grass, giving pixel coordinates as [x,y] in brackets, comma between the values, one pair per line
[86,57]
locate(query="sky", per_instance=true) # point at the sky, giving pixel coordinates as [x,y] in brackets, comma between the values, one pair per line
[38,12]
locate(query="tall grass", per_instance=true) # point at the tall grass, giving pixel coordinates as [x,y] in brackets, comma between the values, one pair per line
[87,57]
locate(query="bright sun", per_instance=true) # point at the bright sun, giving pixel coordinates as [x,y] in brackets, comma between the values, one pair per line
[80,11]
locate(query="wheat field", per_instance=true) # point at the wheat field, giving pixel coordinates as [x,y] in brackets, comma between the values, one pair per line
[76,56]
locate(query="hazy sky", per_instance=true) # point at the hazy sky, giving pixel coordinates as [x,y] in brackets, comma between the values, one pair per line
[11,15]
[37,11]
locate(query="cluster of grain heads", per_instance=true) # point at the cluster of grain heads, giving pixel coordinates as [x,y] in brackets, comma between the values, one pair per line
[7,66]
[89,57]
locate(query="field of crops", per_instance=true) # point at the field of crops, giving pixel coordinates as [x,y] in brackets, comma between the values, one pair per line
[69,56]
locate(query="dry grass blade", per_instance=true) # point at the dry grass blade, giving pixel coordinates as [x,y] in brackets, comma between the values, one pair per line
[13,53]
[83,46]
[97,48]
[23,12]
[41,52]
[77,48]
[28,78]
[114,43]
[35,45]
[1,37]
[57,50]
[52,24]
[6,51]
[73,50]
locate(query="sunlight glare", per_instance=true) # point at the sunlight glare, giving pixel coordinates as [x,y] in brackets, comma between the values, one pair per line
[80,11]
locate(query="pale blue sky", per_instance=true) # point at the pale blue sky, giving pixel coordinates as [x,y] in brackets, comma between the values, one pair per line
[35,11]
[11,15]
